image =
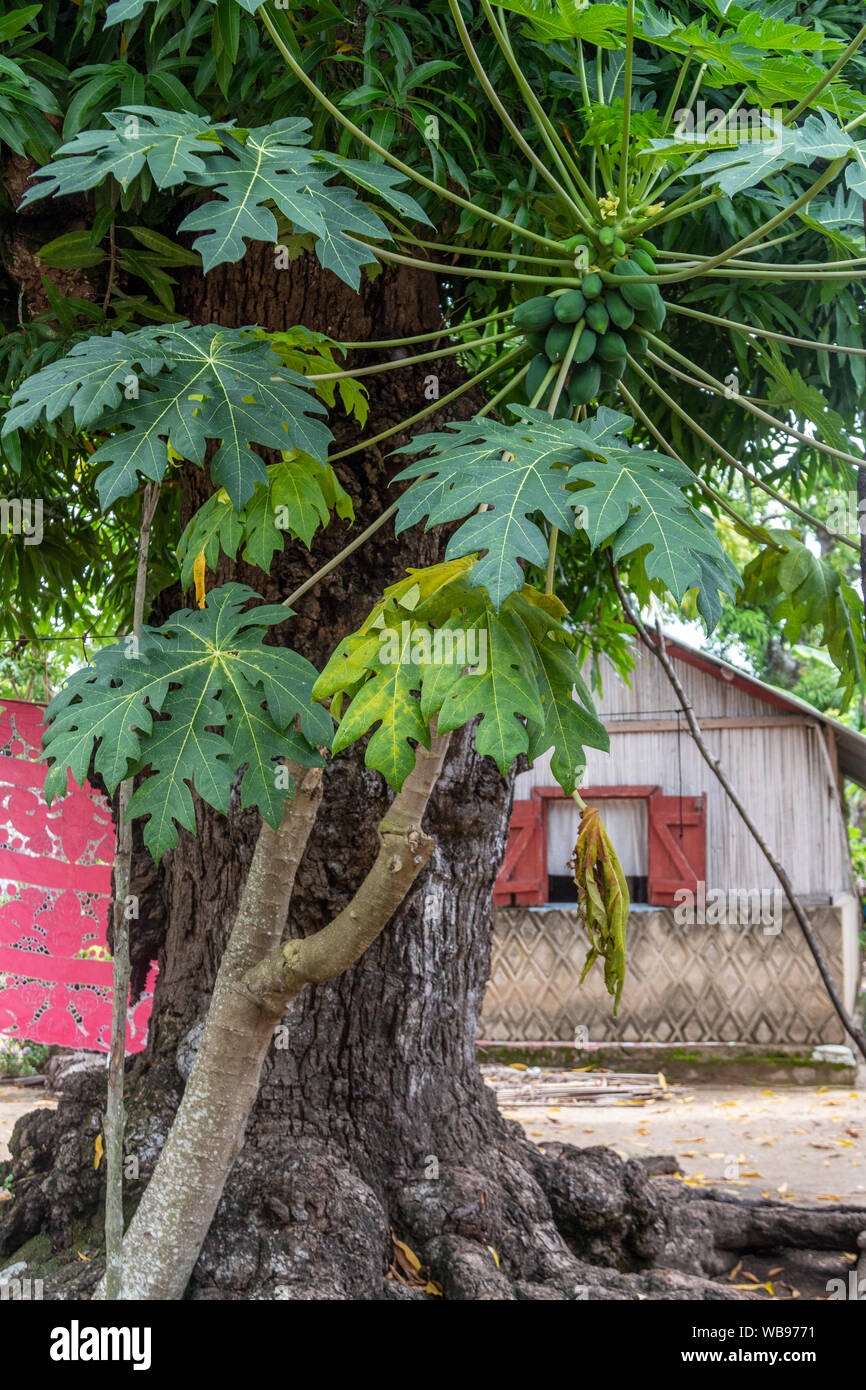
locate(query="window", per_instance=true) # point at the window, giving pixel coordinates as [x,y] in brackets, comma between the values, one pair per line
[660,840]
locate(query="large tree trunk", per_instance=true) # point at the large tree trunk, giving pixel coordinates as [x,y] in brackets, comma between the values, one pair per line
[372,1117]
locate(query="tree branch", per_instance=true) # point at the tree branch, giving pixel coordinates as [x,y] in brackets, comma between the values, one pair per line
[175,1213]
[403,852]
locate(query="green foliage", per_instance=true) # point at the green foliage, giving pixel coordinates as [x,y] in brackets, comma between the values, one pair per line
[157,708]
[279,171]
[248,170]
[626,497]
[802,590]
[434,646]
[299,497]
[176,387]
[753,161]
[312,354]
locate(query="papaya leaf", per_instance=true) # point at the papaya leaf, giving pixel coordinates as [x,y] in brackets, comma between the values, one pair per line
[637,500]
[517,471]
[751,162]
[198,703]
[250,171]
[178,386]
[298,498]
[435,647]
[630,498]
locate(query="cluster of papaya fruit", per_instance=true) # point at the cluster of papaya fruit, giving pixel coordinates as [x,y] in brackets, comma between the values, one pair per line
[598,324]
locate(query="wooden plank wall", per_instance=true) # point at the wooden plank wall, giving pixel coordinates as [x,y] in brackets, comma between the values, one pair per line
[780,769]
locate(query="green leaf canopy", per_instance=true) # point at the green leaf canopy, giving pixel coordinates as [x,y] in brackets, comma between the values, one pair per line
[435,646]
[561,472]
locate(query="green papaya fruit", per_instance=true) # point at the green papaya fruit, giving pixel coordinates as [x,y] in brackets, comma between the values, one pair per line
[612,371]
[611,346]
[534,315]
[654,315]
[606,236]
[538,369]
[557,341]
[585,345]
[592,285]
[642,244]
[570,307]
[621,314]
[584,383]
[639,296]
[644,260]
[597,316]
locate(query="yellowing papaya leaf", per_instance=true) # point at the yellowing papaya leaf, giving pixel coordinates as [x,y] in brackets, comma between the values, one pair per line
[602,900]
[198,574]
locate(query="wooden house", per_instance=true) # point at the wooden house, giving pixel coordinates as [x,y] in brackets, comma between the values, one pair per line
[714,952]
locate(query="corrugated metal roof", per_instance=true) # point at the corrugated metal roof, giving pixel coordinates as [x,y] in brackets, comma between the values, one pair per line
[850,745]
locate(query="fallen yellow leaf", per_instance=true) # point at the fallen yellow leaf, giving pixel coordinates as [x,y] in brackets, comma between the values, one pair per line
[411,1257]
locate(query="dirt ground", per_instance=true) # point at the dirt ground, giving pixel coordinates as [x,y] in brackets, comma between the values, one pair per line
[799,1143]
[15,1101]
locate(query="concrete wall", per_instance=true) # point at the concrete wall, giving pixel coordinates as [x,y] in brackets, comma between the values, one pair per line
[685,983]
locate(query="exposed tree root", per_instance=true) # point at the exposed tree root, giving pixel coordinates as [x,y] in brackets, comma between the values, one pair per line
[300,1220]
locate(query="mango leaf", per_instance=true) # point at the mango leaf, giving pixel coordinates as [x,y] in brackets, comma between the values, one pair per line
[299,497]
[435,647]
[803,590]
[200,702]
[250,171]
[176,386]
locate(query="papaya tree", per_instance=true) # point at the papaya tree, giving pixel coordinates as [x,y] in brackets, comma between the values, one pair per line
[396,337]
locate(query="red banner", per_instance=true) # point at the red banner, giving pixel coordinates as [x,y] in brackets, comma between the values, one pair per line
[55,896]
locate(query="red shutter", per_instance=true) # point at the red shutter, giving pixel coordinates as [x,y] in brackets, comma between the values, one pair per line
[676,861]
[523,876]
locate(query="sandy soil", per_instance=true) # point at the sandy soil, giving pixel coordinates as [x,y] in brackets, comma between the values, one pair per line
[797,1143]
